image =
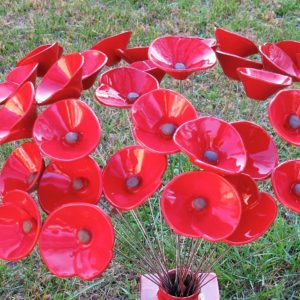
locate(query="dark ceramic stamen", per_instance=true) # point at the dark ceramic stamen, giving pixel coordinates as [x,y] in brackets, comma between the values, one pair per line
[77,184]
[31,178]
[84,236]
[296,189]
[27,226]
[294,121]
[211,156]
[132,182]
[179,66]
[199,203]
[132,96]
[168,129]
[71,137]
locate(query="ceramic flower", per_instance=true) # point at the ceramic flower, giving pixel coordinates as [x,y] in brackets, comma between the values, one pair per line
[149,67]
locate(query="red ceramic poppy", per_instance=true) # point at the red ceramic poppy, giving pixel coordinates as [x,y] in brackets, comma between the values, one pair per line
[180,56]
[67,182]
[112,45]
[67,130]
[259,211]
[80,246]
[131,55]
[22,169]
[157,115]
[212,144]
[234,43]
[7,89]
[284,115]
[191,202]
[291,48]
[276,60]
[20,225]
[63,80]
[18,115]
[286,184]
[44,55]
[149,67]
[261,84]
[121,87]
[94,61]
[231,62]
[131,176]
[262,156]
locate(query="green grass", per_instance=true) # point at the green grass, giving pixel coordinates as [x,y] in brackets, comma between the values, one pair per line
[249,272]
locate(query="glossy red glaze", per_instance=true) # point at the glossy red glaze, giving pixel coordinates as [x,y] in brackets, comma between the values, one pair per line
[22,169]
[276,60]
[262,156]
[149,67]
[112,45]
[291,48]
[18,115]
[285,104]
[196,137]
[156,109]
[132,162]
[116,85]
[190,52]
[284,178]
[63,80]
[212,43]
[67,182]
[44,55]
[94,61]
[7,89]
[261,84]
[221,207]
[231,62]
[65,253]
[57,122]
[234,43]
[131,55]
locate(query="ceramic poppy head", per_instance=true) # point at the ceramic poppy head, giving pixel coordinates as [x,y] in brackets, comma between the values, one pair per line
[276,60]
[94,61]
[18,115]
[21,74]
[191,202]
[212,144]
[81,246]
[131,176]
[20,225]
[234,43]
[7,89]
[291,48]
[111,46]
[231,62]
[149,67]
[259,211]
[131,55]
[63,80]
[66,182]
[121,87]
[22,169]
[262,157]
[157,115]
[44,55]
[284,115]
[286,184]
[180,56]
[261,84]
[67,130]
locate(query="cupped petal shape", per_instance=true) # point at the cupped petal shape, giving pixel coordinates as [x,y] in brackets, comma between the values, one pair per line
[21,74]
[63,80]
[212,144]
[291,48]
[191,202]
[210,42]
[94,61]
[261,84]
[231,62]
[18,115]
[262,156]
[180,56]
[149,67]
[284,115]
[67,130]
[121,87]
[286,184]
[234,43]
[7,89]
[77,246]
[112,45]
[157,115]
[44,55]
[68,182]
[22,169]
[131,176]
[276,60]
[131,55]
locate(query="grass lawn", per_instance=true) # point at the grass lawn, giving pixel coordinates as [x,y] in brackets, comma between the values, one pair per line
[267,269]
